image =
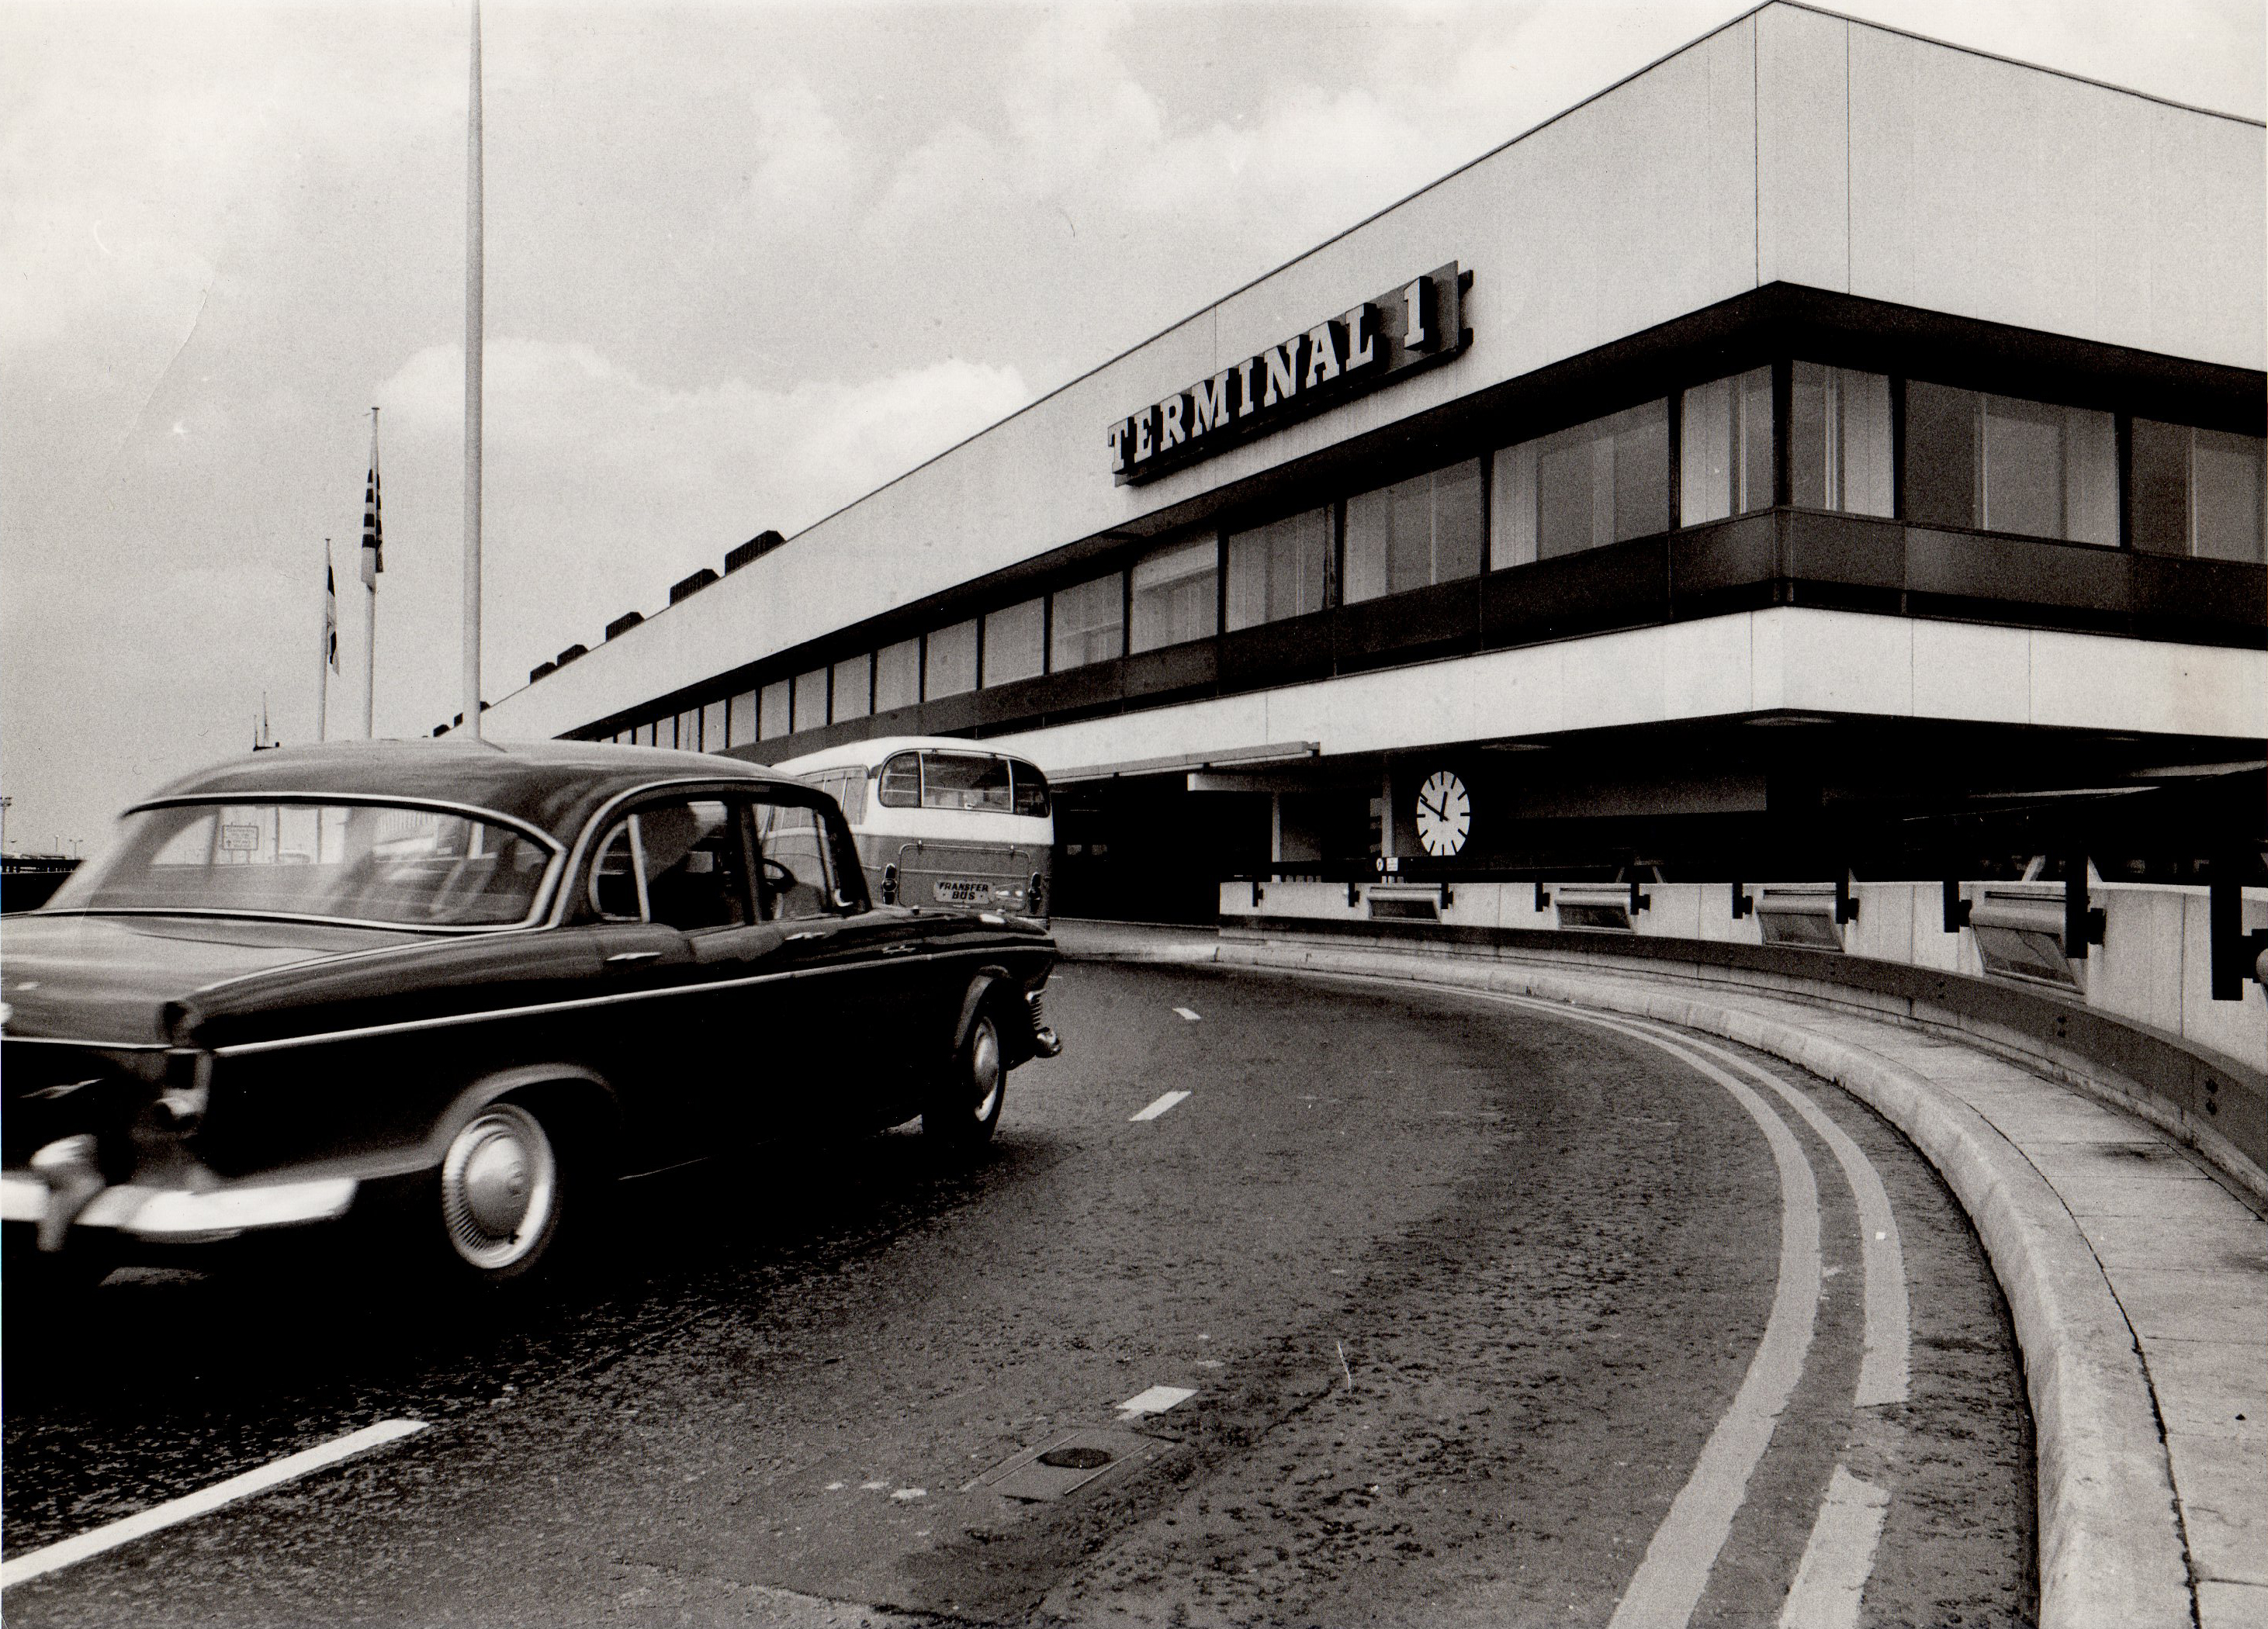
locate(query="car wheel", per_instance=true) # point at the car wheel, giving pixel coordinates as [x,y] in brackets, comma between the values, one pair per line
[961,1115]
[502,1184]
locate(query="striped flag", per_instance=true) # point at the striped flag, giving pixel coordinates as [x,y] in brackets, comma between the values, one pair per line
[373,553]
[331,611]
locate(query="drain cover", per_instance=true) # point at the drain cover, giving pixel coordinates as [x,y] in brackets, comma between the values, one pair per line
[1070,1462]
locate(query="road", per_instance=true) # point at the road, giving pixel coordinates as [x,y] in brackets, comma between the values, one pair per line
[1432,1310]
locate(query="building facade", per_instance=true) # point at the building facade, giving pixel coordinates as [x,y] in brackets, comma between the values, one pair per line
[1825,450]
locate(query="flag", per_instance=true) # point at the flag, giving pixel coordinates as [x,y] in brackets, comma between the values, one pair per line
[373,553]
[331,611]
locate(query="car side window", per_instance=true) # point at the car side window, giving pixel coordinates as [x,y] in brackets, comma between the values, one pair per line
[694,867]
[682,863]
[795,881]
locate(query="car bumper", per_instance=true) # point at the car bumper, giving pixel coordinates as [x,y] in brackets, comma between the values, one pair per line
[180,1216]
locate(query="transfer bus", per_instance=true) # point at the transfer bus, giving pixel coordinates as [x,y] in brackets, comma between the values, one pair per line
[941,821]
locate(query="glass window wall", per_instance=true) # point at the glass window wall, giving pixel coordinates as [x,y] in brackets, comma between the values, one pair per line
[2006,464]
[949,661]
[740,719]
[1088,624]
[689,729]
[1598,483]
[854,687]
[2198,492]
[1277,570]
[1414,532]
[713,727]
[1838,450]
[897,675]
[810,707]
[773,713]
[1724,448]
[1014,647]
[1175,595]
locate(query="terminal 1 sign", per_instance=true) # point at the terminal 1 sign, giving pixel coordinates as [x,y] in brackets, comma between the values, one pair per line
[1399,333]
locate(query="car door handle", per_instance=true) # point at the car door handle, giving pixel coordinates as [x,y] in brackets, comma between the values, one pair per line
[808,933]
[900,949]
[632,956]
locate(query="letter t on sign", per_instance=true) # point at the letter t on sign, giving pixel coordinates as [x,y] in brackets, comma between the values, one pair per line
[1116,436]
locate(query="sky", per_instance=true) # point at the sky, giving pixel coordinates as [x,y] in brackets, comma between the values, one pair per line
[745,262]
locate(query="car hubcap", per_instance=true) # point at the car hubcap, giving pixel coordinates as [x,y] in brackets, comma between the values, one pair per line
[498,1184]
[984,1068]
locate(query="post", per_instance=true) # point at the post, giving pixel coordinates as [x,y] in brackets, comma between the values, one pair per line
[474,279]
[323,656]
[370,659]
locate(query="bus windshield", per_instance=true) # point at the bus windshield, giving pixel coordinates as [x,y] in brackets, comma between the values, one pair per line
[982,781]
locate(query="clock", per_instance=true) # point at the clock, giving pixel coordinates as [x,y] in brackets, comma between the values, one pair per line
[1445,814]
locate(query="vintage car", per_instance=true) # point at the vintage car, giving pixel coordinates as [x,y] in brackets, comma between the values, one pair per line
[456,989]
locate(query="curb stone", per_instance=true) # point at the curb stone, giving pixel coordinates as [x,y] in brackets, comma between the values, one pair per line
[2112,1551]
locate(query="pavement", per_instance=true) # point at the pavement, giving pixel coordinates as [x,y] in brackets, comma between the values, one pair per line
[2136,1276]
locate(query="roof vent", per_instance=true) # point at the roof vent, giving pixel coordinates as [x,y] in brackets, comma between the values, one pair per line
[540,670]
[764,543]
[693,585]
[570,654]
[624,623]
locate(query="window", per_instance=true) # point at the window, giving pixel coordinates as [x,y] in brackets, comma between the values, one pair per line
[1013,645]
[809,711]
[1029,788]
[1176,595]
[1724,448]
[740,719]
[646,734]
[854,688]
[1415,533]
[1603,482]
[1277,570]
[949,661]
[712,728]
[964,780]
[794,884]
[2007,465]
[690,856]
[1838,439]
[1088,624]
[2198,492]
[773,712]
[900,782]
[689,729]
[897,675]
[848,788]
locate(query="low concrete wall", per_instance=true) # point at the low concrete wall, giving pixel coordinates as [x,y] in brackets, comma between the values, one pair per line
[2137,1026]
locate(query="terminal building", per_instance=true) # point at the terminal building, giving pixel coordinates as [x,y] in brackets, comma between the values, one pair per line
[1824,453]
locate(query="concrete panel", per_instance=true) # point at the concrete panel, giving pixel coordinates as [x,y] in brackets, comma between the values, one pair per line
[1613,679]
[2208,190]
[1803,141]
[2084,679]
[2138,970]
[1706,667]
[1844,663]
[1884,929]
[1968,670]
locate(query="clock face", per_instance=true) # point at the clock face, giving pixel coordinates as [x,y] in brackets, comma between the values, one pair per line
[1445,814]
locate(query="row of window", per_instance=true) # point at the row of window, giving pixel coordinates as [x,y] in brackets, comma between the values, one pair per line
[1970,459]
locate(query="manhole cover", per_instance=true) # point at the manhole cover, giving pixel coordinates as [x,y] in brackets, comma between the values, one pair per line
[1070,1462]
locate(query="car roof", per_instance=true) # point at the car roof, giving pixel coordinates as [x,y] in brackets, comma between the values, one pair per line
[554,785]
[875,749]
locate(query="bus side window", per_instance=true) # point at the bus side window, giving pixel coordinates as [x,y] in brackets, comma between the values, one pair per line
[851,791]
[1030,787]
[901,787]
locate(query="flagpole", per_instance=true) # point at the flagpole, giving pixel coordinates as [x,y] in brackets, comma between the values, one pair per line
[372,563]
[323,655]
[474,341]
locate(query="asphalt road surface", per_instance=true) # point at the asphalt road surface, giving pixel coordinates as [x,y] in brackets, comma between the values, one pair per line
[1326,1302]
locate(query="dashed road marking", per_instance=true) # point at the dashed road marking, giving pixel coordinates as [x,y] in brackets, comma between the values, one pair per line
[1187,1014]
[1158,1108]
[1840,1557]
[1156,1400]
[70,1551]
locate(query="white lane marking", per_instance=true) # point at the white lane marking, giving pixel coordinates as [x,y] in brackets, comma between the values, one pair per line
[70,1551]
[1670,1582]
[906,1493]
[1158,1108]
[1156,1400]
[1186,1013]
[1840,1557]
[1884,1372]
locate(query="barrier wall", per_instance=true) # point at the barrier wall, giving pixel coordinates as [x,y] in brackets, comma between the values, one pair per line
[2133,1020]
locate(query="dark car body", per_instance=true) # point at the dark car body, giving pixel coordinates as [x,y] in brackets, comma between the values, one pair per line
[638,993]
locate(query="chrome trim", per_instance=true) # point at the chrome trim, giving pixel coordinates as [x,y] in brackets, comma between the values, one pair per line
[378,800]
[451,929]
[457,1020]
[182,1214]
[65,1040]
